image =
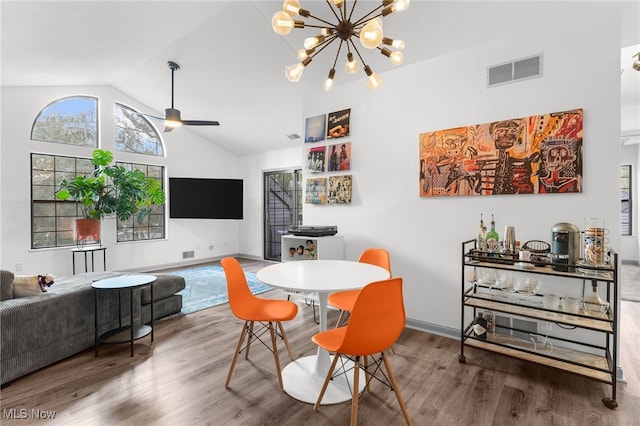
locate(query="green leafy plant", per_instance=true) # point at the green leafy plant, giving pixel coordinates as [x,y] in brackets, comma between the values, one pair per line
[112,190]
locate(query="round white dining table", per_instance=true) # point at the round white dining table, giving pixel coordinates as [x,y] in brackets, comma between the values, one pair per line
[303,378]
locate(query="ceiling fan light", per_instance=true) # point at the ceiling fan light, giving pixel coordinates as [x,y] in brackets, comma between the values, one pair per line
[172,124]
[371,34]
[282,23]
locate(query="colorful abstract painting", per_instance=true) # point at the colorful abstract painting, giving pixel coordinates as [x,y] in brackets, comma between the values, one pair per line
[539,154]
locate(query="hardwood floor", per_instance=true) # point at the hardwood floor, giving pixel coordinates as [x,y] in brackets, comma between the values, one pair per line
[179,380]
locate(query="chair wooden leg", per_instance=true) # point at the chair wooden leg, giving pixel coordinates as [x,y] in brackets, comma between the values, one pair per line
[356,387]
[246,354]
[286,341]
[339,318]
[275,354]
[326,382]
[367,379]
[393,350]
[387,365]
[235,355]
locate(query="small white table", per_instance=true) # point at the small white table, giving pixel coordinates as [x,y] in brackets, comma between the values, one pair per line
[304,377]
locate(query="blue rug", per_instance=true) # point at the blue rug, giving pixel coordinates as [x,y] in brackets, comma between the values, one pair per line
[206,286]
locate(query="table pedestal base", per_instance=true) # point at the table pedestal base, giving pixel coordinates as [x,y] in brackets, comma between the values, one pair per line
[303,382]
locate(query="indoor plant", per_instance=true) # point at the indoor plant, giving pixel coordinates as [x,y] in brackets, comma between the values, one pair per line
[110,190]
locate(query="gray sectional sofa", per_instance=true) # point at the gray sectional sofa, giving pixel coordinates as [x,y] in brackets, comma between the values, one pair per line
[37,331]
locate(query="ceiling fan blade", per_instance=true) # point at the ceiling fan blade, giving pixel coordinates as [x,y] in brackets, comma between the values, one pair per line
[200,123]
[167,129]
[149,115]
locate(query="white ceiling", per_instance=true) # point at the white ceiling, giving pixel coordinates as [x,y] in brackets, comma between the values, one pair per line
[232,63]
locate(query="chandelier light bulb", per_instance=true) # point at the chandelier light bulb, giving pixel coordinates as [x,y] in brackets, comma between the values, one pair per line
[371,34]
[292,7]
[397,58]
[399,5]
[294,72]
[337,3]
[282,23]
[374,81]
[312,42]
[396,44]
[303,53]
[328,84]
[351,66]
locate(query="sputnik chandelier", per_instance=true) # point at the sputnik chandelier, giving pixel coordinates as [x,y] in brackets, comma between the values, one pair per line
[368,29]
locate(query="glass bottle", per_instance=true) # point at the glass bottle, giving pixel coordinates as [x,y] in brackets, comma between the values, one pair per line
[481,238]
[492,237]
[480,327]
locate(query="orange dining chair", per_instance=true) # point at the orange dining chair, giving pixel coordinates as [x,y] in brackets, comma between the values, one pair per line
[245,306]
[376,321]
[344,300]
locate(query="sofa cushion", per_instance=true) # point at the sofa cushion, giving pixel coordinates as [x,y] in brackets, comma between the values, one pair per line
[166,285]
[6,285]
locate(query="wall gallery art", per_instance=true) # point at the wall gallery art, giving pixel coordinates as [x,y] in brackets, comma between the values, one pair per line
[314,129]
[316,191]
[339,189]
[338,124]
[539,154]
[339,157]
[316,158]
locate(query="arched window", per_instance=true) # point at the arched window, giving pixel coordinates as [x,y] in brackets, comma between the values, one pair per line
[72,120]
[134,133]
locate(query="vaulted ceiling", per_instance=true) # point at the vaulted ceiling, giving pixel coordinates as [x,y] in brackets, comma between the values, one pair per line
[232,63]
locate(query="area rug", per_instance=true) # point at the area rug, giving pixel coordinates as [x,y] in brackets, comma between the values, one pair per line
[206,286]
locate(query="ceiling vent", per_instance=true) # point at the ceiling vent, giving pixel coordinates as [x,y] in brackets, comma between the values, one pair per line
[293,136]
[520,69]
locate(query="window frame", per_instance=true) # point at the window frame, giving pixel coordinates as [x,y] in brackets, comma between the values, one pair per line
[626,184]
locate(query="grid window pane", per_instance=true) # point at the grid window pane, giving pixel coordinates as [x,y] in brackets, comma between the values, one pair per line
[53,222]
[625,198]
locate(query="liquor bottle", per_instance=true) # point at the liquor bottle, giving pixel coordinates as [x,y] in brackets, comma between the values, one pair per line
[481,238]
[480,327]
[492,237]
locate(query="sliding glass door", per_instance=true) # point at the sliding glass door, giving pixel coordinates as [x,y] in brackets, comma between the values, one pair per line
[282,207]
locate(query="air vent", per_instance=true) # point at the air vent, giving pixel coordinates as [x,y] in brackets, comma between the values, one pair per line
[188,254]
[293,136]
[520,69]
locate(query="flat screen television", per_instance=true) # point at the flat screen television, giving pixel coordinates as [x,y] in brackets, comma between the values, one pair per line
[200,198]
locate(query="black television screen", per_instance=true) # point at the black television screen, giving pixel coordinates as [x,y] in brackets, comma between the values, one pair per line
[199,198]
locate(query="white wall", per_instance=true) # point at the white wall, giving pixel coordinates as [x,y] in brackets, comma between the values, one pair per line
[188,155]
[424,234]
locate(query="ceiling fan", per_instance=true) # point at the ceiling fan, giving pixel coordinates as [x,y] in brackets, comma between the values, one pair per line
[172,117]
